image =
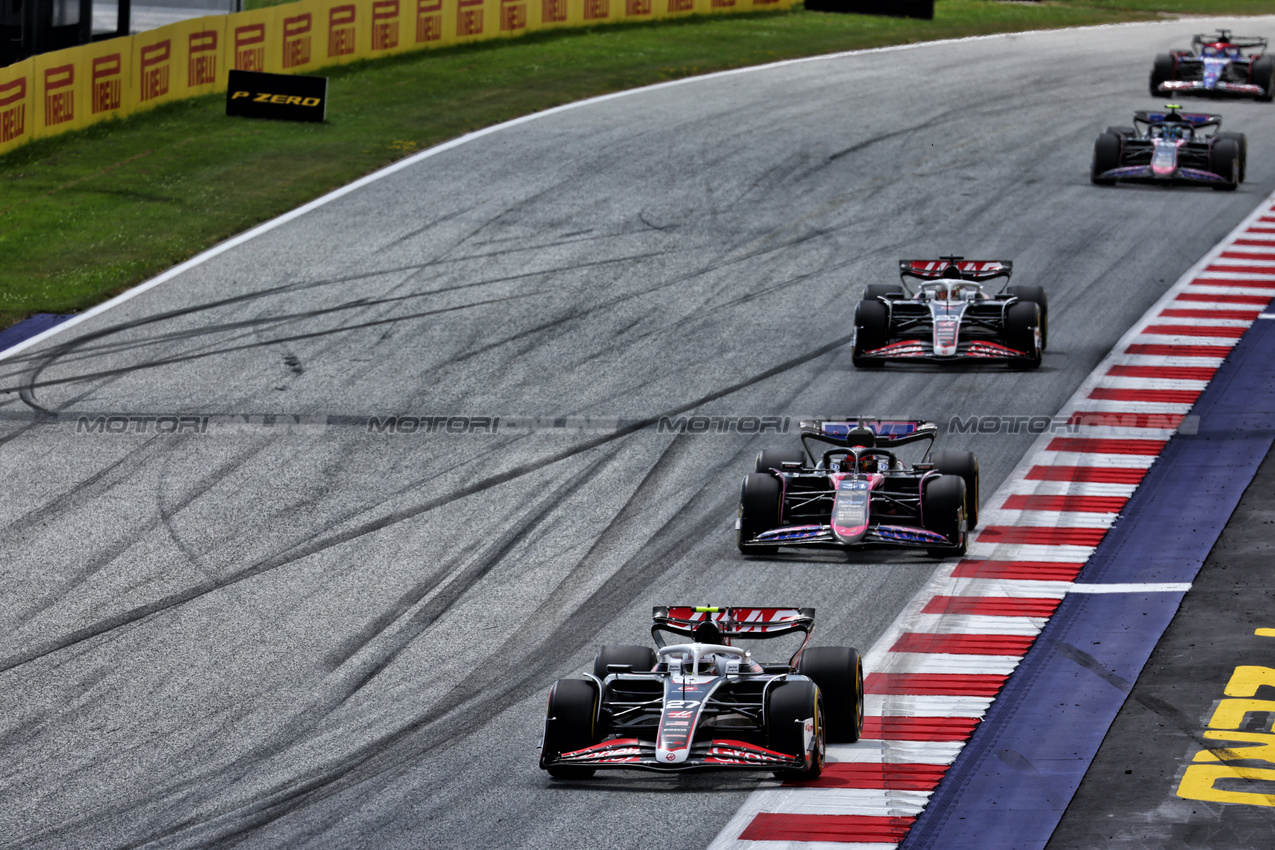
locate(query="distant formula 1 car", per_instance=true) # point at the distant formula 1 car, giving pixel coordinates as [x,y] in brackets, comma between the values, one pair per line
[858,492]
[1217,64]
[705,702]
[941,311]
[1171,147]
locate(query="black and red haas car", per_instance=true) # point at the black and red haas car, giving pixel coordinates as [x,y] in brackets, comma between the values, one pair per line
[704,701]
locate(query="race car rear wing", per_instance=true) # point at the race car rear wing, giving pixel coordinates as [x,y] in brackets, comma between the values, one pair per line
[955,268]
[1224,37]
[1196,119]
[732,622]
[886,433]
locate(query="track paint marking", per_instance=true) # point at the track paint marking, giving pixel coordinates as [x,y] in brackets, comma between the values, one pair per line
[955,644]
[1082,504]
[940,684]
[919,728]
[1097,474]
[991,606]
[1207,297]
[1167,587]
[768,826]
[1023,570]
[1105,447]
[1122,394]
[1185,373]
[893,776]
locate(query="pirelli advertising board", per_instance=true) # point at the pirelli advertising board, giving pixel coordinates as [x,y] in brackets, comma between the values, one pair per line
[72,88]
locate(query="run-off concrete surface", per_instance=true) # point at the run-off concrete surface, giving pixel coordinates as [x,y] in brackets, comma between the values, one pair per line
[321,634]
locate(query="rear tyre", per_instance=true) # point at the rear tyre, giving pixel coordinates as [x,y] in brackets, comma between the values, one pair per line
[943,506]
[1242,142]
[838,671]
[1162,70]
[1262,73]
[768,459]
[1022,318]
[1106,156]
[1037,294]
[964,465]
[871,330]
[570,725]
[758,511]
[882,290]
[792,706]
[640,658]
[1224,160]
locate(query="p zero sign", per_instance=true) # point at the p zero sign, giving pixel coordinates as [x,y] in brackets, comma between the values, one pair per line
[290,97]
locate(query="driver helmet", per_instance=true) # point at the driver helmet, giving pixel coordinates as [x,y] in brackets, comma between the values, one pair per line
[867,463]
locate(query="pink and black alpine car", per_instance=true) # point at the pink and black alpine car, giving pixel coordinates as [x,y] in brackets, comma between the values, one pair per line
[1220,64]
[1171,148]
[851,489]
[704,701]
[943,311]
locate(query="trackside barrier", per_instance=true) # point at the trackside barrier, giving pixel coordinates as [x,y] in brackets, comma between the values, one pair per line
[72,88]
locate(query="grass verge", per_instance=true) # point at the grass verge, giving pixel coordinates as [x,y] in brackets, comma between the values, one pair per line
[86,215]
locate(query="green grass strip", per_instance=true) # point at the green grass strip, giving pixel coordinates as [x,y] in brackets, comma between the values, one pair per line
[86,215]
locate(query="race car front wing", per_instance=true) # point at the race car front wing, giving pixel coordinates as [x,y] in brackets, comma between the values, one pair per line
[718,753]
[919,349]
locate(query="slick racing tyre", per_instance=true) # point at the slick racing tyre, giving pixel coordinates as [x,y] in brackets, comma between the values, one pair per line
[1242,141]
[570,725]
[1106,156]
[943,506]
[1122,132]
[758,511]
[1224,159]
[792,706]
[768,459]
[1262,73]
[1162,70]
[871,330]
[1021,320]
[838,671]
[639,658]
[964,465]
[1037,294]
[882,290]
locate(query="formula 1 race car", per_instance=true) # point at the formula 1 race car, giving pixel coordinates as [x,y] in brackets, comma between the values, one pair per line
[1171,147]
[858,492]
[1217,64]
[707,703]
[950,316]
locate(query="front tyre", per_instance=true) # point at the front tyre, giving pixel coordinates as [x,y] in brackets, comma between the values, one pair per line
[838,671]
[1106,156]
[1022,318]
[1262,73]
[1162,70]
[1224,160]
[871,331]
[759,503]
[943,508]
[570,725]
[1034,293]
[795,726]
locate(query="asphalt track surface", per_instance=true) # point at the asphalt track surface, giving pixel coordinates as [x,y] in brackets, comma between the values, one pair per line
[320,635]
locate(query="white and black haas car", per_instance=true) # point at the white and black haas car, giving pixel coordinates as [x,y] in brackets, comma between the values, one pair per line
[853,490]
[942,310]
[1217,64]
[1171,148]
[704,702]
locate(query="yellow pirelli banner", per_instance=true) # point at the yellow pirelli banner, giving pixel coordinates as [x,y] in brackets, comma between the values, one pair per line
[73,88]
